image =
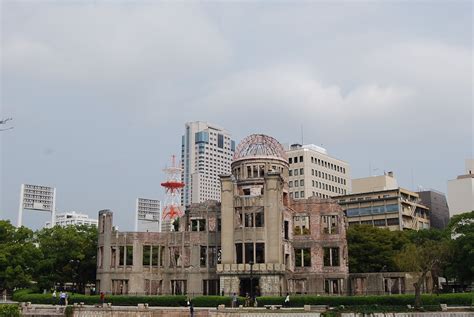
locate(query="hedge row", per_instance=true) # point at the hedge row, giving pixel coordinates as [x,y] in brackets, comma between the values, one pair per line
[8,310]
[118,300]
[463,299]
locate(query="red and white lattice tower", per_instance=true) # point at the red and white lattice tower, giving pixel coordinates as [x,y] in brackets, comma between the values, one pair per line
[173,187]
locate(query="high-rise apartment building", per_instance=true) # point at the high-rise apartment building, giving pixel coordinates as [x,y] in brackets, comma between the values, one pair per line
[461,191]
[206,152]
[314,173]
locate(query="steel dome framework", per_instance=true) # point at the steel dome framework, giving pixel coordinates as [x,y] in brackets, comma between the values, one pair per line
[258,145]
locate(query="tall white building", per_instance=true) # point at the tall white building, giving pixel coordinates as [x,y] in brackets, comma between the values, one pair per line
[461,191]
[314,172]
[206,152]
[72,218]
[148,215]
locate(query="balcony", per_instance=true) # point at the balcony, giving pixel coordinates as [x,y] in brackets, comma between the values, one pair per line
[258,268]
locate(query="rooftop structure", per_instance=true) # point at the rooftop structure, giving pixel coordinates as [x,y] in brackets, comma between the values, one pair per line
[374,183]
[461,191]
[72,218]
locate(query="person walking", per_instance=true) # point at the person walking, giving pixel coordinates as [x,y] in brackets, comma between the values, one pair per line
[247,300]
[191,309]
[62,298]
[234,300]
[102,298]
[54,297]
[287,300]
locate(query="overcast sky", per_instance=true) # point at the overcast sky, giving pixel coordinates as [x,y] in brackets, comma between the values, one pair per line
[100,91]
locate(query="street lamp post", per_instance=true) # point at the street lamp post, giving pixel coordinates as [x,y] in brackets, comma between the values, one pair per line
[251,280]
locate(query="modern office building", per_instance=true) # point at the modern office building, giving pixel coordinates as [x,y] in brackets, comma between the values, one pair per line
[72,218]
[379,201]
[461,191]
[438,205]
[206,153]
[313,172]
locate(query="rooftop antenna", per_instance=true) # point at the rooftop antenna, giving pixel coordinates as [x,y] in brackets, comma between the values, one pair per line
[302,135]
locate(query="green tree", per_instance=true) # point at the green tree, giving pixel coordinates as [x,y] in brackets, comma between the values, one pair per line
[422,258]
[461,264]
[372,249]
[18,256]
[419,237]
[68,256]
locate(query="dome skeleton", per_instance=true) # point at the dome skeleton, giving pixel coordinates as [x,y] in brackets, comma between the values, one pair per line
[256,145]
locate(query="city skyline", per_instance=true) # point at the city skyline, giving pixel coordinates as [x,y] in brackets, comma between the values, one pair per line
[110,87]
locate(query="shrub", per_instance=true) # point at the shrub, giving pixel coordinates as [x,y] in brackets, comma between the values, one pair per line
[69,312]
[461,299]
[119,300]
[7,310]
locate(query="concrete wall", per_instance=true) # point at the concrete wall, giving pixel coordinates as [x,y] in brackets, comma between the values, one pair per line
[460,195]
[373,183]
[198,312]
[429,314]
[137,312]
[438,205]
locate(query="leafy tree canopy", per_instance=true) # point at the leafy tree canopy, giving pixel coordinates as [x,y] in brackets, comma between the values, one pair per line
[372,249]
[461,231]
[68,255]
[18,256]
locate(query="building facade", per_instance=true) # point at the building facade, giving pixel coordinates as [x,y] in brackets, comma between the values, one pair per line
[257,240]
[72,218]
[438,205]
[206,153]
[378,201]
[287,245]
[148,215]
[151,263]
[312,172]
[461,191]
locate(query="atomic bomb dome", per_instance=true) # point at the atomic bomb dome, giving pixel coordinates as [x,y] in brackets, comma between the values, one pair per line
[260,146]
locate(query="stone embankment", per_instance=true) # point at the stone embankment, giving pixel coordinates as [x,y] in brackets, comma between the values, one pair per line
[144,311]
[427,314]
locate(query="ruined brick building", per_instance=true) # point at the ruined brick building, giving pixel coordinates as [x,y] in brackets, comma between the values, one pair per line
[256,241]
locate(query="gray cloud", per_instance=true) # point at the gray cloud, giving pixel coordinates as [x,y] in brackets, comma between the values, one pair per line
[100,91]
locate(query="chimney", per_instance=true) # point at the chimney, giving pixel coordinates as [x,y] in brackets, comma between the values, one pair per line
[390,174]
